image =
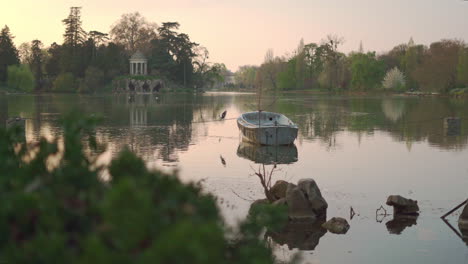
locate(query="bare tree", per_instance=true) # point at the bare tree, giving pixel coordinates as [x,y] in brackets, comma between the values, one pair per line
[133,31]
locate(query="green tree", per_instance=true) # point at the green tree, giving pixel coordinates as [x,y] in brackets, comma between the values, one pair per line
[68,214]
[173,54]
[20,78]
[65,82]
[93,81]
[366,71]
[8,52]
[52,65]
[37,62]
[462,67]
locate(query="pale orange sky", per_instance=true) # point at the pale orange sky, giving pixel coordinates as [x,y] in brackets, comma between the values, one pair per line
[239,32]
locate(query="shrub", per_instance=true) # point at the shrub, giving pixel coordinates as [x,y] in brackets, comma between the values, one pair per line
[68,214]
[65,82]
[20,78]
[93,80]
[394,80]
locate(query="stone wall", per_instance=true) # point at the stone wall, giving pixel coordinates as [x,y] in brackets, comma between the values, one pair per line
[137,86]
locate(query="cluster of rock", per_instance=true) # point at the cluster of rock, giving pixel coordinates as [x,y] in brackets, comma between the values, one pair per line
[305,204]
[402,205]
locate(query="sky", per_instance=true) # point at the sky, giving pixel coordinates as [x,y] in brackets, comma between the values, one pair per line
[239,32]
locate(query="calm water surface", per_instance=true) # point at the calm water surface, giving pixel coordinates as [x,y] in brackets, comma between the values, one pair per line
[359,150]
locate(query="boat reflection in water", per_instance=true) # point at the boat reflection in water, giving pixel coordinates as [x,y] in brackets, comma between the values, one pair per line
[268,154]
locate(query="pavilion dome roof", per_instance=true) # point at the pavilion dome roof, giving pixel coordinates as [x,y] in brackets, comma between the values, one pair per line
[138,56]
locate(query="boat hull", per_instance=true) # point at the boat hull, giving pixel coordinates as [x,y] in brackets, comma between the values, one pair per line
[275,135]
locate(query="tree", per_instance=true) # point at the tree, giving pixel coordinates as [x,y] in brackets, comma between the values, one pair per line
[394,79]
[134,32]
[8,52]
[20,78]
[93,80]
[74,33]
[438,69]
[366,71]
[24,53]
[332,57]
[68,214]
[172,54]
[37,62]
[462,67]
[300,66]
[52,65]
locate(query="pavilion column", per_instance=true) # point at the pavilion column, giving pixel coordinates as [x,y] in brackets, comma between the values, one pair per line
[131,68]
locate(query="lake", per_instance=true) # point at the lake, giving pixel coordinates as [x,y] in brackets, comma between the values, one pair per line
[359,150]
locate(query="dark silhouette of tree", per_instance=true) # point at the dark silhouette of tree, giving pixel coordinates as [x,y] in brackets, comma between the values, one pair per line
[37,62]
[8,52]
[52,65]
[74,33]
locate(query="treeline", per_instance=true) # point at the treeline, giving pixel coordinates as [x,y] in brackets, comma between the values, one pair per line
[88,61]
[440,67]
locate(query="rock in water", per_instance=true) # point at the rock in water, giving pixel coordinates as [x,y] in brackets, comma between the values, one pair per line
[279,189]
[281,201]
[403,205]
[337,225]
[299,206]
[311,190]
[463,220]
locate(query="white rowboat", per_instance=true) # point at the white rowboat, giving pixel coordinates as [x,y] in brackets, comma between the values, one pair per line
[267,128]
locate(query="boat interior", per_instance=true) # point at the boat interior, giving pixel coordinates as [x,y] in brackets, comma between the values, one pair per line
[267,119]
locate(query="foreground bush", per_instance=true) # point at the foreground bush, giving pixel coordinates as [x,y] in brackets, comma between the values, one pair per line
[56,208]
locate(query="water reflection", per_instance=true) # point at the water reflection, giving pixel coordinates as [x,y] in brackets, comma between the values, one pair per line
[400,223]
[268,154]
[299,235]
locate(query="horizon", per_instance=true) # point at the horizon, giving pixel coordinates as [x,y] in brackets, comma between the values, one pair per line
[216,24]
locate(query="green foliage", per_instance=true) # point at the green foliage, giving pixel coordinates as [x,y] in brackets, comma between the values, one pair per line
[287,78]
[20,78]
[66,212]
[65,82]
[366,71]
[93,81]
[8,53]
[462,67]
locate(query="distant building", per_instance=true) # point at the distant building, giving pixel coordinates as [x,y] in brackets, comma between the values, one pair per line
[138,64]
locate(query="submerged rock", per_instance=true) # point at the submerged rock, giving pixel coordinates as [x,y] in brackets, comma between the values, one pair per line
[400,223]
[279,189]
[402,205]
[337,225]
[299,207]
[463,224]
[300,235]
[312,192]
[281,201]
[463,220]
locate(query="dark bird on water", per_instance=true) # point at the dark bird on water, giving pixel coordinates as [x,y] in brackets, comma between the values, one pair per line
[222,160]
[223,115]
